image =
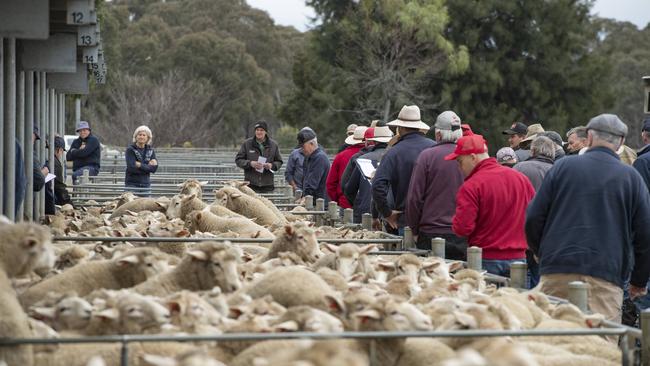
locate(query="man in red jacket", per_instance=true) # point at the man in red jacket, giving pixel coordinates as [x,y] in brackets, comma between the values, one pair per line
[333,183]
[491,206]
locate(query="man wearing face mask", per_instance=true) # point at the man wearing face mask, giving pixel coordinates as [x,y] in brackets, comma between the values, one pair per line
[594,241]
[490,206]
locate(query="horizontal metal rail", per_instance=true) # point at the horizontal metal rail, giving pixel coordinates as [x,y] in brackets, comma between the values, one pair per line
[192,240]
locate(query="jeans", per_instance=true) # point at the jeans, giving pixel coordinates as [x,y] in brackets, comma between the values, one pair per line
[500,267]
[140,191]
[92,171]
[455,247]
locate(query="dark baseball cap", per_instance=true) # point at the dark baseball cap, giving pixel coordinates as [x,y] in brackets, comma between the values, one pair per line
[646,124]
[59,142]
[305,135]
[36,132]
[517,128]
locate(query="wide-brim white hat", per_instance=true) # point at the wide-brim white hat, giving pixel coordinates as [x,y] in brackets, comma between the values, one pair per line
[357,136]
[382,134]
[409,117]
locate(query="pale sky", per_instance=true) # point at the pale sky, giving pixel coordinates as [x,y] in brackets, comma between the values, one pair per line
[296,13]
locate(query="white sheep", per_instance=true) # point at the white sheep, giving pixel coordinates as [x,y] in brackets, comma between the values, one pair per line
[23,247]
[206,221]
[307,319]
[348,259]
[63,312]
[321,353]
[141,204]
[181,205]
[13,323]
[192,314]
[235,200]
[296,238]
[244,188]
[207,265]
[133,267]
[192,186]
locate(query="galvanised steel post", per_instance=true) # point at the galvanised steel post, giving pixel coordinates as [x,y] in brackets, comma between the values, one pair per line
[9,159]
[28,145]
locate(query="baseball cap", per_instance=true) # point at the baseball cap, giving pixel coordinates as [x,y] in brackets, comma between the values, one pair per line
[447,120]
[474,144]
[608,123]
[517,128]
[81,125]
[554,136]
[506,154]
[305,135]
[646,124]
[467,129]
[59,142]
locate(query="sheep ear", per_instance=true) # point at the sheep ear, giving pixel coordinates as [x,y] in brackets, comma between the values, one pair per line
[335,304]
[235,312]
[198,255]
[155,360]
[198,216]
[331,247]
[44,313]
[109,314]
[367,248]
[594,320]
[386,266]
[180,185]
[465,320]
[288,326]
[368,314]
[243,184]
[174,306]
[235,195]
[125,261]
[182,233]
[288,229]
[455,266]
[203,183]
[431,265]
[162,205]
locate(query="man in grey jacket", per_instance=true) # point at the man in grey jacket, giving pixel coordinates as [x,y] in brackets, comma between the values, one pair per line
[542,151]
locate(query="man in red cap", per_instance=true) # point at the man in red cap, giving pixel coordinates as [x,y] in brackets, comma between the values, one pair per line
[490,206]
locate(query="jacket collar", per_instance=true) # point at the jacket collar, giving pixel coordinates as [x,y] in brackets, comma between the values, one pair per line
[544,159]
[487,163]
[596,149]
[644,150]
[410,136]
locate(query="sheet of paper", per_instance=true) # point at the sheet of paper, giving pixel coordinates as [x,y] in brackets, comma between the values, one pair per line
[367,169]
[49,177]
[261,160]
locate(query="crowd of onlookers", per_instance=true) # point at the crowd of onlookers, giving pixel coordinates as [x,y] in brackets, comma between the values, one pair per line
[574,210]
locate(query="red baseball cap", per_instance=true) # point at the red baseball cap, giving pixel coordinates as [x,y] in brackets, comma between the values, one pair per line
[467,130]
[474,144]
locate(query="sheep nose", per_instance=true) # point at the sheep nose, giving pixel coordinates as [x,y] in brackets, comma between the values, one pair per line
[234,287]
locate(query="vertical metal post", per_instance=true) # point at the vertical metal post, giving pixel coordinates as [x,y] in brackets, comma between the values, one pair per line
[2,137]
[28,145]
[42,123]
[309,203]
[124,354]
[320,206]
[333,209]
[645,339]
[52,111]
[407,241]
[77,110]
[578,295]
[61,120]
[348,215]
[10,128]
[288,191]
[438,247]
[366,221]
[20,135]
[518,274]
[475,258]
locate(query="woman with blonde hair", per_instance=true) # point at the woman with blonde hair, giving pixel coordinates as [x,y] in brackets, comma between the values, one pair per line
[140,162]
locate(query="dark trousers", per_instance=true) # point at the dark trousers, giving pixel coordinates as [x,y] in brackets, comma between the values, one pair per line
[455,247]
[262,189]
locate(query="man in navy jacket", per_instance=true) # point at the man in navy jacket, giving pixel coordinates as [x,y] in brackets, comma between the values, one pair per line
[85,152]
[593,241]
[315,167]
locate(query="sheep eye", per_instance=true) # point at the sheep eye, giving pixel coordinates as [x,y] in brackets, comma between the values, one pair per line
[393,313]
[149,265]
[216,264]
[132,310]
[300,237]
[62,309]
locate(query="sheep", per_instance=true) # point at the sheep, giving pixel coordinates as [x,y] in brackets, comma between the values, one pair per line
[191,313]
[124,198]
[191,358]
[292,286]
[206,221]
[405,264]
[13,322]
[244,188]
[192,186]
[133,267]
[70,257]
[297,238]
[348,259]
[243,204]
[263,350]
[23,246]
[66,312]
[333,278]
[323,353]
[207,265]
[181,205]
[307,319]
[140,204]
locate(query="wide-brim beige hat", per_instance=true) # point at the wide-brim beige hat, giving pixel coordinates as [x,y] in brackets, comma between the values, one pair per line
[382,134]
[357,136]
[409,117]
[533,131]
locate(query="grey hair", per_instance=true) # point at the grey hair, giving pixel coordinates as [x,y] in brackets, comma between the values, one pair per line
[607,137]
[543,146]
[580,131]
[449,135]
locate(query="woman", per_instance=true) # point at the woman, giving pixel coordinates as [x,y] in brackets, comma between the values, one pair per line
[140,162]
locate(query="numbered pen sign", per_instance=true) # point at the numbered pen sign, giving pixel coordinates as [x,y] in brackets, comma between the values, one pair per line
[81,12]
[88,35]
[90,55]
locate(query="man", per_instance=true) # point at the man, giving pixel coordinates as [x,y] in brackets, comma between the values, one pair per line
[316,166]
[349,132]
[260,158]
[367,147]
[394,172]
[542,150]
[39,172]
[533,131]
[642,163]
[557,141]
[333,183]
[85,152]
[431,200]
[576,140]
[293,170]
[357,187]
[516,134]
[61,195]
[506,156]
[594,241]
[490,206]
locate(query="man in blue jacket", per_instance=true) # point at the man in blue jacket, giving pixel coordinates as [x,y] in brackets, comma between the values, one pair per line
[315,167]
[594,241]
[85,152]
[394,171]
[642,163]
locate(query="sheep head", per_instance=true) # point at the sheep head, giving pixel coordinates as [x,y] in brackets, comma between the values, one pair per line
[226,196]
[301,239]
[347,260]
[390,314]
[307,319]
[25,246]
[219,265]
[70,312]
[144,263]
[174,209]
[139,314]
[188,310]
[70,258]
[192,186]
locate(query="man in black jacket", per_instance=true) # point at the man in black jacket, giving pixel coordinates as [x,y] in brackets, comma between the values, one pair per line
[594,241]
[61,195]
[260,158]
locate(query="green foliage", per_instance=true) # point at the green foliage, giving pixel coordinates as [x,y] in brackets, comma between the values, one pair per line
[285,136]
